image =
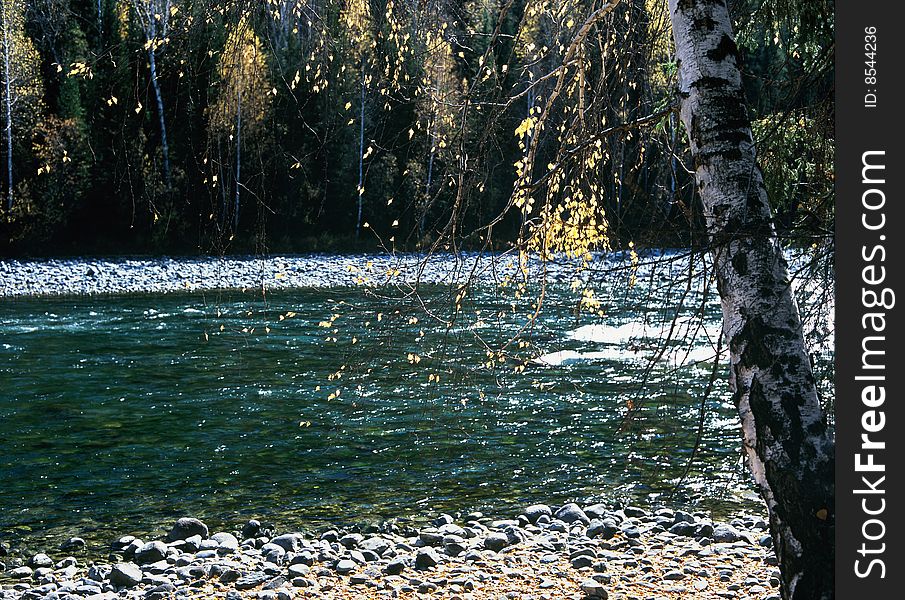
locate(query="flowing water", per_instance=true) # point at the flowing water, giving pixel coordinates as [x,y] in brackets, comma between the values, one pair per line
[120,413]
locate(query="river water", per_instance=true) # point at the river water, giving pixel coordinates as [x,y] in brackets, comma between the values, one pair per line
[120,413]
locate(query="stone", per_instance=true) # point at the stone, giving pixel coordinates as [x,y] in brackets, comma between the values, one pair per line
[274,583]
[535,511]
[593,589]
[125,575]
[682,516]
[454,547]
[151,552]
[273,549]
[496,541]
[227,543]
[604,528]
[187,527]
[370,556]
[597,511]
[571,513]
[251,529]
[302,558]
[430,536]
[331,536]
[515,535]
[452,529]
[682,528]
[634,512]
[674,576]
[426,558]
[395,566]
[345,566]
[99,572]
[299,570]
[40,561]
[580,562]
[252,580]
[21,572]
[230,575]
[443,519]
[630,531]
[290,542]
[351,540]
[725,534]
[427,587]
[703,530]
[73,543]
[377,545]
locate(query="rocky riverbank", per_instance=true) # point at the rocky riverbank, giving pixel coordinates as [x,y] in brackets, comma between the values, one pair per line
[86,276]
[545,553]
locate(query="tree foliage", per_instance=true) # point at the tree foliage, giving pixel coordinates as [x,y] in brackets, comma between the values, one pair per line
[200,126]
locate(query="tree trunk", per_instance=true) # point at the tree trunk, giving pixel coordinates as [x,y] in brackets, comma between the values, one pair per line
[361,152]
[100,23]
[158,95]
[8,105]
[789,446]
[238,158]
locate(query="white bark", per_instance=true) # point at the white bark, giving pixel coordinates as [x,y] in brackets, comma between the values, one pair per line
[100,23]
[238,157]
[8,105]
[361,152]
[154,18]
[788,444]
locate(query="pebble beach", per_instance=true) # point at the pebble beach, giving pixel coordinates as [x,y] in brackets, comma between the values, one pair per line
[569,552]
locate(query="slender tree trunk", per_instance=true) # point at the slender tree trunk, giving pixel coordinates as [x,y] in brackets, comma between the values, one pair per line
[361,152]
[238,159]
[158,95]
[8,105]
[432,140]
[789,446]
[100,23]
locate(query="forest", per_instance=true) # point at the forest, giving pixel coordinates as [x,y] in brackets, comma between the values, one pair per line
[395,263]
[201,127]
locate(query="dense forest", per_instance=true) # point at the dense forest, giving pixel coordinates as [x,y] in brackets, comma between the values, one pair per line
[187,126]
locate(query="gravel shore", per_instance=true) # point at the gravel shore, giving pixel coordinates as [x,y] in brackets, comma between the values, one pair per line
[87,276]
[568,552]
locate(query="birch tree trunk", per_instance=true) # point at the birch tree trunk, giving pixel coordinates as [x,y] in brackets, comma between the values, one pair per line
[238,158]
[8,105]
[789,447]
[361,152]
[158,96]
[154,17]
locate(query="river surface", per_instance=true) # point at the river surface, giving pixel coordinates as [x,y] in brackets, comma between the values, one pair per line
[120,413]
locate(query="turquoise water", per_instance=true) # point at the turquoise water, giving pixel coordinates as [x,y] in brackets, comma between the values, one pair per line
[118,414]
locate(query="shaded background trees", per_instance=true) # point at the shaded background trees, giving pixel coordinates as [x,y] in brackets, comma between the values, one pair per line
[188,126]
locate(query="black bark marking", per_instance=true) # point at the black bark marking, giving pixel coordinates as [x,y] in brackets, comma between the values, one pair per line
[740,263]
[710,82]
[705,22]
[755,341]
[736,135]
[725,48]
